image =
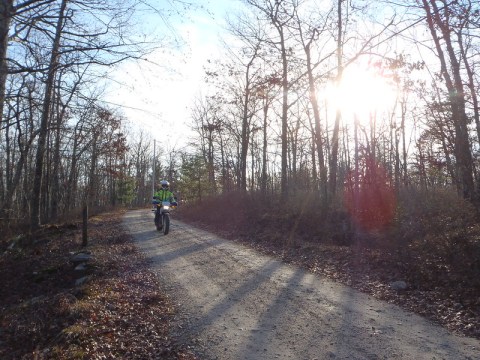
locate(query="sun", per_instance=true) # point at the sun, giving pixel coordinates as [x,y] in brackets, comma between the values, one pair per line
[362,92]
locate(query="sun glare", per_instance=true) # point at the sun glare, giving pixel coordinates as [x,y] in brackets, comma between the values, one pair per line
[361,93]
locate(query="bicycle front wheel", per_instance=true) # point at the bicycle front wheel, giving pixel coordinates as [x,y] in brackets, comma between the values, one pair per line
[166,224]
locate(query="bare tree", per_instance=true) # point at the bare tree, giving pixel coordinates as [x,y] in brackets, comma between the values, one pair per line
[439,24]
[207,124]
[251,34]
[308,40]
[7,11]
[280,14]
[42,137]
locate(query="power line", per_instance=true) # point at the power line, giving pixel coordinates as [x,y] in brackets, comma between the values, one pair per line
[132,108]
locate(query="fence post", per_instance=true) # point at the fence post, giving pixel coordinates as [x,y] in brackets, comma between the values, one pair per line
[85,226]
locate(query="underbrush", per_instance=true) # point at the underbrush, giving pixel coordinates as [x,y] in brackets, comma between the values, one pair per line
[436,224]
[17,230]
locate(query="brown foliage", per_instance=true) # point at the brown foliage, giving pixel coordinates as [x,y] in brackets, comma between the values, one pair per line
[371,204]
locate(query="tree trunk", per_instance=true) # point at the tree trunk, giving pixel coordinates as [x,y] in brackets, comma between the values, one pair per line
[55,189]
[471,85]
[318,127]
[338,114]
[265,144]
[284,169]
[313,156]
[13,184]
[404,145]
[6,13]
[43,134]
[245,140]
[463,155]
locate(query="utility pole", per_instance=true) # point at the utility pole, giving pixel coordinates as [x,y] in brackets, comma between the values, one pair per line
[153,173]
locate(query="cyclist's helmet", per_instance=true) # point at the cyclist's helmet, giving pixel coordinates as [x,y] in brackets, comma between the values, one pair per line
[164,184]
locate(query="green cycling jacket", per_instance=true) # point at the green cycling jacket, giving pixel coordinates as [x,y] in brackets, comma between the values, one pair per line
[165,195]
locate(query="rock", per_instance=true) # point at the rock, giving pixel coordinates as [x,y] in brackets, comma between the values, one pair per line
[398,285]
[80,258]
[35,300]
[81,267]
[82,280]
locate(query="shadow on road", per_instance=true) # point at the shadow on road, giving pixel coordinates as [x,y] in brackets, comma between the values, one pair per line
[238,304]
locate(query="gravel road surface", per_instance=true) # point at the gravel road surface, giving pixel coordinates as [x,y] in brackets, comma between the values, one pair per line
[235,303]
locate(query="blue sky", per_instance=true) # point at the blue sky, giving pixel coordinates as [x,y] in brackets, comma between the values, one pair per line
[157,95]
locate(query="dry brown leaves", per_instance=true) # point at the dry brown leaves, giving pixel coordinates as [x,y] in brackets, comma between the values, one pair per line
[118,313]
[453,305]
[434,291]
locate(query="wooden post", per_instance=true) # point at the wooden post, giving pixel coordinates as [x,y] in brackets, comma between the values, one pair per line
[85,226]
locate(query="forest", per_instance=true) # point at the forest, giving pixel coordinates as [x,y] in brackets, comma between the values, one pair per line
[364,113]
[342,136]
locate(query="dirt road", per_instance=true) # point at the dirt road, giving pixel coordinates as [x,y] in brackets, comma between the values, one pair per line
[237,304]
